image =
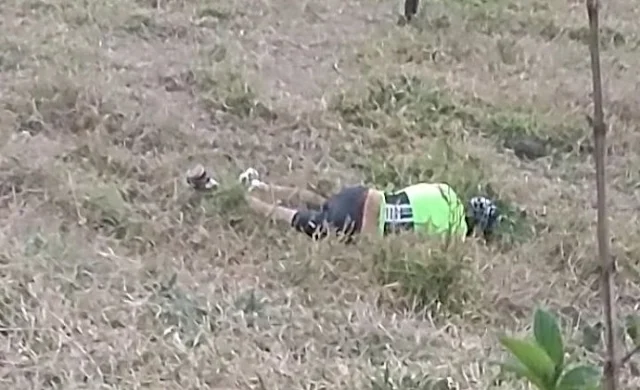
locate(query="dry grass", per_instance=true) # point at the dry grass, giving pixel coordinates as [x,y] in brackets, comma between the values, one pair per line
[114,275]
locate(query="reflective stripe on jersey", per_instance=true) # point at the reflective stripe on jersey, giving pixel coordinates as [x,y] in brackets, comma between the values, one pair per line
[398,213]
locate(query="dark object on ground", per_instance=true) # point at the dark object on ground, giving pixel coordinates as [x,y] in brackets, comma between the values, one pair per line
[527,148]
[410,9]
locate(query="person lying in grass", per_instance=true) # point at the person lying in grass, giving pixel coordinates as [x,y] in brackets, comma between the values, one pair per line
[432,208]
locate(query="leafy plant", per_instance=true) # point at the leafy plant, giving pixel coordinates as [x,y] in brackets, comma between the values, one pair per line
[541,360]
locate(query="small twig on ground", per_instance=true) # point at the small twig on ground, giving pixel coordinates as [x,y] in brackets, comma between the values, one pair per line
[608,267]
[625,359]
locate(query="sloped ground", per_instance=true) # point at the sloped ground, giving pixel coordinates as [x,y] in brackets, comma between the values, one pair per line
[114,275]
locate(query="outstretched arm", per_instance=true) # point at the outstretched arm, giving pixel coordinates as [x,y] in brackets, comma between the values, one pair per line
[278,193]
[287,194]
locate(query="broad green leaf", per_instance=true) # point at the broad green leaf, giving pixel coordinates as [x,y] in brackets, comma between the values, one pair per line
[582,377]
[548,336]
[533,357]
[520,371]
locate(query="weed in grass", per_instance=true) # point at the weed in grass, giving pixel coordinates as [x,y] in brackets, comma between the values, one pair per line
[428,274]
[224,89]
[182,316]
[395,379]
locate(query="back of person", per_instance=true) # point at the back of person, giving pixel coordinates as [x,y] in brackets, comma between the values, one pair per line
[424,207]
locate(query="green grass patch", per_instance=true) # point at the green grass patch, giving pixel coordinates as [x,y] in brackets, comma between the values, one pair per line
[228,200]
[178,312]
[222,88]
[400,105]
[392,379]
[530,136]
[226,206]
[490,17]
[437,277]
[403,109]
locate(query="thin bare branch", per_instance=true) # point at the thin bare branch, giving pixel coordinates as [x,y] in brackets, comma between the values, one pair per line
[608,269]
[625,359]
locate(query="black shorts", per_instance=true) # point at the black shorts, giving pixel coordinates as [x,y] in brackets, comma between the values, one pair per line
[342,212]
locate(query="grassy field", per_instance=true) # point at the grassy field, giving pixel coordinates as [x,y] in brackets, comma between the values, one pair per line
[115,275]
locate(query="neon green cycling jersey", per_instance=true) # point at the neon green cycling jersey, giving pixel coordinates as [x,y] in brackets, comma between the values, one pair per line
[424,207]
